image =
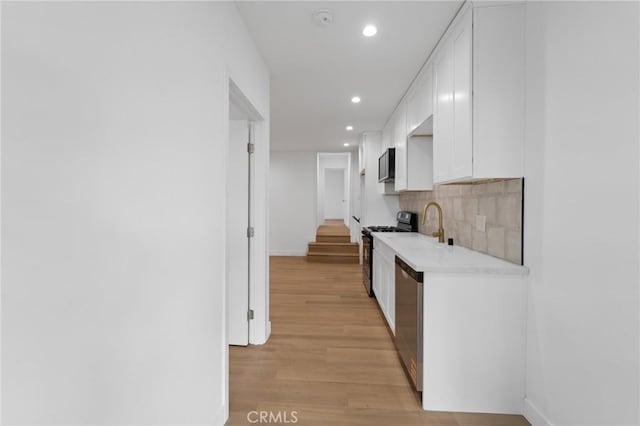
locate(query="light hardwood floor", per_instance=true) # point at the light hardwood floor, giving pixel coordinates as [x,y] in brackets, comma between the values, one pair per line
[330,357]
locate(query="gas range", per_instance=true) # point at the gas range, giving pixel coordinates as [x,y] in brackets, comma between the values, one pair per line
[383,229]
[407,222]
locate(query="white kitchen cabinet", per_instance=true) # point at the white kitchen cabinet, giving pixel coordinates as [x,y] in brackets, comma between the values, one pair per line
[388,135]
[362,156]
[376,208]
[378,280]
[384,280]
[420,99]
[414,153]
[453,148]
[473,324]
[414,164]
[400,143]
[479,95]
[413,131]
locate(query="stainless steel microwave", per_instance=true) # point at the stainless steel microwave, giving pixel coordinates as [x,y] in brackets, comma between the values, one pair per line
[387,166]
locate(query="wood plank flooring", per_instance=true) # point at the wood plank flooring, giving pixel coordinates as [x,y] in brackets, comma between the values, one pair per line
[330,358]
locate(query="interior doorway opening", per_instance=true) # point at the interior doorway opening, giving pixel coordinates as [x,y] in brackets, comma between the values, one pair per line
[240,251]
[333,188]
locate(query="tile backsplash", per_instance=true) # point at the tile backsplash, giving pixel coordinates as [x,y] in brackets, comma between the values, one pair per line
[500,201]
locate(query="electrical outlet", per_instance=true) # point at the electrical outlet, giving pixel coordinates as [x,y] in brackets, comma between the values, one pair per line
[481,223]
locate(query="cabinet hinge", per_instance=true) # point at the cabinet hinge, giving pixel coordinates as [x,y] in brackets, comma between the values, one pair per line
[251,148]
[250,232]
[249,314]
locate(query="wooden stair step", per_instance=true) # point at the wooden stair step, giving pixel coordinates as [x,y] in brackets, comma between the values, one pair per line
[347,248]
[332,230]
[333,258]
[333,239]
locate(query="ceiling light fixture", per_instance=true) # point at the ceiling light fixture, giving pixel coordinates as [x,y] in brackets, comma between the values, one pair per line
[355,99]
[349,128]
[369,31]
[346,144]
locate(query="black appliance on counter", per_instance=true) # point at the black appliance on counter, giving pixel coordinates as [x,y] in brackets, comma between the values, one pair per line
[407,222]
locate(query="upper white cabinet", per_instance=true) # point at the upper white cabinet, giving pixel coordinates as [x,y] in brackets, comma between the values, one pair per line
[388,138]
[420,99]
[362,156]
[400,143]
[453,147]
[376,208]
[414,152]
[479,95]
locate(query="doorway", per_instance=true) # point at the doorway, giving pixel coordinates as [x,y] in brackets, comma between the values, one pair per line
[240,216]
[333,187]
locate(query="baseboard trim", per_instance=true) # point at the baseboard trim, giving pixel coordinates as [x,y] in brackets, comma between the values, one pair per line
[534,415]
[287,253]
[221,416]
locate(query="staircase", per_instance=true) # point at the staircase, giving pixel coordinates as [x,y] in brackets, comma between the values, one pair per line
[333,244]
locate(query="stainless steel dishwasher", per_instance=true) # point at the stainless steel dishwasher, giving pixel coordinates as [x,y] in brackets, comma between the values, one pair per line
[409,305]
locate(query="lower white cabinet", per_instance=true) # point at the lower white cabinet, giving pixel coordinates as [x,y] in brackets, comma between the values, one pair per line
[473,322]
[384,281]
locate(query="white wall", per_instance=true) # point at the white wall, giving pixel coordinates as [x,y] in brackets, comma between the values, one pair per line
[355,198]
[581,213]
[377,209]
[292,202]
[114,130]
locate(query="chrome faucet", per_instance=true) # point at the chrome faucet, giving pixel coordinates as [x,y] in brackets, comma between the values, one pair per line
[440,232]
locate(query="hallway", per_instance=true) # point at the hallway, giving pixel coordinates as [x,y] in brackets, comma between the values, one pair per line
[330,357]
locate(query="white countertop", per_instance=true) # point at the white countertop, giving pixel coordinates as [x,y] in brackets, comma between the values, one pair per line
[425,254]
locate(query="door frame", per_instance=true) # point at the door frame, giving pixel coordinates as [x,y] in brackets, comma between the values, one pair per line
[239,104]
[332,160]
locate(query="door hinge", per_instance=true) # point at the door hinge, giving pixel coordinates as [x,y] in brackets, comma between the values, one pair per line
[250,232]
[249,314]
[251,148]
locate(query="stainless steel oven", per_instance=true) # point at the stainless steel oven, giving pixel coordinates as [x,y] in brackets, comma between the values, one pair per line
[409,312]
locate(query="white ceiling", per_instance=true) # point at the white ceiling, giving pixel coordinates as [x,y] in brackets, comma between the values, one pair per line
[316,70]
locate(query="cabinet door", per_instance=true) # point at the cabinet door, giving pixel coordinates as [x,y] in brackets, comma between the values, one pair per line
[420,100]
[387,136]
[391,293]
[452,144]
[443,120]
[379,278]
[400,143]
[361,154]
[462,148]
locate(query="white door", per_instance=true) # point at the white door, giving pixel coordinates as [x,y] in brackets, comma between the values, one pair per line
[334,195]
[238,196]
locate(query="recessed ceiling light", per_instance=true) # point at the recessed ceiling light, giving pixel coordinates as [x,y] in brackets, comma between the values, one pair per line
[346,144]
[349,128]
[369,31]
[355,99]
